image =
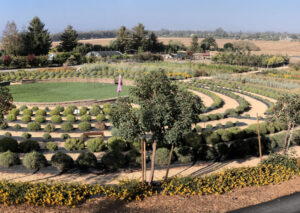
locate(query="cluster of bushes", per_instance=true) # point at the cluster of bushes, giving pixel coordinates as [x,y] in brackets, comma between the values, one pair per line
[31,60]
[236,58]
[268,172]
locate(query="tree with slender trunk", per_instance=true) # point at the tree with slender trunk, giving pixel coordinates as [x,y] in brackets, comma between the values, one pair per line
[164,111]
[11,39]
[287,109]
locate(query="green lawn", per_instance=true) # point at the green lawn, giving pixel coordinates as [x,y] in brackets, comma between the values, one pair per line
[64,91]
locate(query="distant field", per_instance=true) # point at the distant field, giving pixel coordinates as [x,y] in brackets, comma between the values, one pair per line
[268,47]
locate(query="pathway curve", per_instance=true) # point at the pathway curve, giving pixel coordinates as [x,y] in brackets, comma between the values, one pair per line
[207,100]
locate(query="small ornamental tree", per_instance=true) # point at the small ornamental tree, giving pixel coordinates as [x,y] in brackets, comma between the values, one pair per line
[287,109]
[7,60]
[165,111]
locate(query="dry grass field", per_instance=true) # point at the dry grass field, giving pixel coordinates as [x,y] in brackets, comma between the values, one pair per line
[290,48]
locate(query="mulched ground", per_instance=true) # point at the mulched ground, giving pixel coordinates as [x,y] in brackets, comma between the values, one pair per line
[209,203]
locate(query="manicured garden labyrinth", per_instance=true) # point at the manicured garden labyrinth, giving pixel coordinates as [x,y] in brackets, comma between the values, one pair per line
[64,91]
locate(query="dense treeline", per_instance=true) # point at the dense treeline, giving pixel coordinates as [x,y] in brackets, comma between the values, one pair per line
[218,33]
[238,58]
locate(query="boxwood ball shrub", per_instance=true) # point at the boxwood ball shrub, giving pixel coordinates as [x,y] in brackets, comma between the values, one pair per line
[62,161]
[56,119]
[100,117]
[54,112]
[113,160]
[34,160]
[162,156]
[46,136]
[28,146]
[17,127]
[85,118]
[72,144]
[83,111]
[35,108]
[133,157]
[14,111]
[67,126]
[69,110]
[96,144]
[11,117]
[26,118]
[60,108]
[229,124]
[40,118]
[70,118]
[212,138]
[41,112]
[184,154]
[84,126]
[8,159]
[33,126]
[50,128]
[7,134]
[86,160]
[95,110]
[8,144]
[51,146]
[116,143]
[26,135]
[23,107]
[27,112]
[64,136]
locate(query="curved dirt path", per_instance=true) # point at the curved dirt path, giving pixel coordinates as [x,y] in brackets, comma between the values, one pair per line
[229,103]
[207,100]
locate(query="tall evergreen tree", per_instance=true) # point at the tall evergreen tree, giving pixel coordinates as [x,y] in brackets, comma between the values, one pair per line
[194,44]
[69,39]
[11,40]
[123,39]
[37,39]
[140,37]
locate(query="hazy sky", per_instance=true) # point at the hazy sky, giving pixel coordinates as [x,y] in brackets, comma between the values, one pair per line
[84,15]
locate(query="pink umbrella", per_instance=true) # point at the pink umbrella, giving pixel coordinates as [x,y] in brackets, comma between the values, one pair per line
[119,89]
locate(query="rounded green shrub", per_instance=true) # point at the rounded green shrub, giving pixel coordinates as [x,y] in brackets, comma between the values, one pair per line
[8,144]
[192,140]
[133,158]
[100,117]
[46,136]
[64,136]
[50,128]
[35,108]
[67,126]
[83,111]
[62,161]
[213,138]
[56,119]
[113,160]
[70,118]
[33,126]
[69,110]
[106,110]
[162,156]
[96,144]
[95,110]
[60,108]
[17,127]
[229,124]
[72,144]
[28,146]
[26,135]
[222,151]
[54,112]
[40,119]
[116,143]
[84,126]
[27,112]
[210,153]
[86,160]
[184,154]
[11,117]
[51,146]
[8,159]
[34,160]
[14,111]
[26,118]
[7,134]
[85,118]
[41,112]
[23,107]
